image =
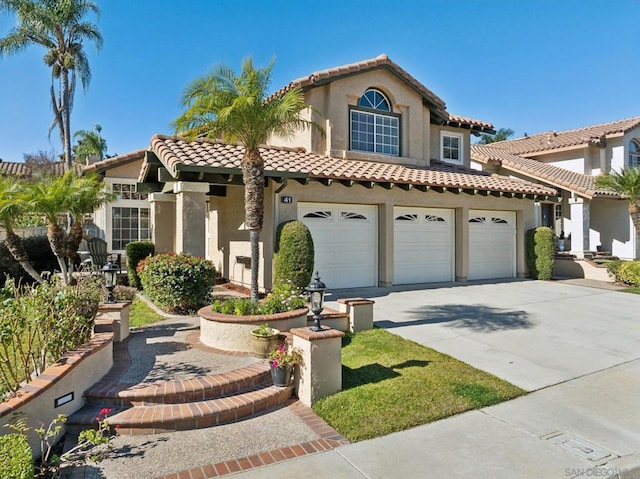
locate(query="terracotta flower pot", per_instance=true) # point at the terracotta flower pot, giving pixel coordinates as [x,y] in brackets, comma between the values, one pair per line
[263,345]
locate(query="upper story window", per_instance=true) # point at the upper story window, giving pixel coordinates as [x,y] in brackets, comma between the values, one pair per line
[634,153]
[451,147]
[124,191]
[374,127]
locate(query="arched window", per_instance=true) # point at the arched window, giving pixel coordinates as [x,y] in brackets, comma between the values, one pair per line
[374,127]
[634,153]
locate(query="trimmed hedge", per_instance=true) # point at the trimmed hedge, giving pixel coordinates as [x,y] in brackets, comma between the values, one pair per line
[137,251]
[294,254]
[177,282]
[40,255]
[15,457]
[540,244]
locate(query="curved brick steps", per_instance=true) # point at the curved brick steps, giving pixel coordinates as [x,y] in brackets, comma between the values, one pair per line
[181,391]
[161,418]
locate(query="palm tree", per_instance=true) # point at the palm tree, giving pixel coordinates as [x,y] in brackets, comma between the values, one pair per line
[237,109]
[11,209]
[59,27]
[55,197]
[627,184]
[90,142]
[500,135]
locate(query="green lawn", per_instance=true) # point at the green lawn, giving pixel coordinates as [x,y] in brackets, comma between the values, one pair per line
[141,314]
[391,384]
[631,290]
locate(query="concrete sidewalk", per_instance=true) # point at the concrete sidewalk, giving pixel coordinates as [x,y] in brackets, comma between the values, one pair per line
[587,427]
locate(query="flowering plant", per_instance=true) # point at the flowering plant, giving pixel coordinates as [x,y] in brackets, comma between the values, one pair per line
[284,355]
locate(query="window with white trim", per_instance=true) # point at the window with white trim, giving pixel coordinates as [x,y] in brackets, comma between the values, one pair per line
[374,127]
[127,225]
[451,147]
[634,153]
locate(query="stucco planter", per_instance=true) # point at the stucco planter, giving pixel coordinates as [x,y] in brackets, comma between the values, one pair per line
[229,332]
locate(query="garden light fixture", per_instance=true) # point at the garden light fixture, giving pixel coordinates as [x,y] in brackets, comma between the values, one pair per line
[110,272]
[316,291]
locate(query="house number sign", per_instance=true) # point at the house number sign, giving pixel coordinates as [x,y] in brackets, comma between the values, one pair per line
[286,199]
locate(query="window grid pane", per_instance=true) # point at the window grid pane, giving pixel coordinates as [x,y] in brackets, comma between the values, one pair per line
[127,225]
[387,131]
[451,148]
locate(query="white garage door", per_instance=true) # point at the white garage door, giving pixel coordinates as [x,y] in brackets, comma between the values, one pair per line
[492,244]
[345,239]
[423,245]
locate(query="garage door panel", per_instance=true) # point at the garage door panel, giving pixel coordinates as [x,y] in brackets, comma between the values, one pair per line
[423,245]
[492,246]
[345,240]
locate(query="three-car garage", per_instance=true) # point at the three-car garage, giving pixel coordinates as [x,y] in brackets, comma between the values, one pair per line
[346,240]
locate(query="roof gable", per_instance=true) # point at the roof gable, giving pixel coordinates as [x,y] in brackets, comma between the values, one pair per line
[434,102]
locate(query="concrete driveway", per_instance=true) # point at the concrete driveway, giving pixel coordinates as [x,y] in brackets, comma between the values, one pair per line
[531,333]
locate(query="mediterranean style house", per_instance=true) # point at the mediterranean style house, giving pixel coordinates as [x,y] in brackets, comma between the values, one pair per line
[388,192]
[569,161]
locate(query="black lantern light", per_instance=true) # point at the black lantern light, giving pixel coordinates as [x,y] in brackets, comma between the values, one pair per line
[110,272]
[316,291]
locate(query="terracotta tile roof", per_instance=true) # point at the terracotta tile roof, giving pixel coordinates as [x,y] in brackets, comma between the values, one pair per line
[22,170]
[583,185]
[177,154]
[551,140]
[457,120]
[100,166]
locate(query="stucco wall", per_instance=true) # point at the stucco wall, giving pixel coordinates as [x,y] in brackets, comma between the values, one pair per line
[332,102]
[612,228]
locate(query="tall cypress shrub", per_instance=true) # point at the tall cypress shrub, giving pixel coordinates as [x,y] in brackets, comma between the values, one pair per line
[540,245]
[137,251]
[293,254]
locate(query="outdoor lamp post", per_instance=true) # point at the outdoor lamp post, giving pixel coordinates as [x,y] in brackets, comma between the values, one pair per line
[110,272]
[316,291]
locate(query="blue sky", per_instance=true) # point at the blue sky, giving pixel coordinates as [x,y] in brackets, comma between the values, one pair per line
[531,65]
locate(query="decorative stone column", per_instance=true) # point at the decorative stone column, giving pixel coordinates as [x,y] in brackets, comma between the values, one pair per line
[163,217]
[191,210]
[580,226]
[360,311]
[116,315]
[321,373]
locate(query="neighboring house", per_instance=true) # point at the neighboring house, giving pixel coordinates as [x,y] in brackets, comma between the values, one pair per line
[569,161]
[387,193]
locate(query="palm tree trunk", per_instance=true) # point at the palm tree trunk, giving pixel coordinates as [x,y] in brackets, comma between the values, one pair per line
[66,118]
[253,178]
[16,248]
[73,241]
[55,234]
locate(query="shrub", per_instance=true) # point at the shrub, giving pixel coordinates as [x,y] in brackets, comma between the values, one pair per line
[137,251]
[39,324]
[178,283]
[124,293]
[613,267]
[284,297]
[540,253]
[40,255]
[293,254]
[15,457]
[629,273]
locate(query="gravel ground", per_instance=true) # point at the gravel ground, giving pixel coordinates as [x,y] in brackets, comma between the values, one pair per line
[159,353]
[149,456]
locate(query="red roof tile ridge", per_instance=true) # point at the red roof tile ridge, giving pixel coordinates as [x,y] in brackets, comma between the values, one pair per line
[213,141]
[380,60]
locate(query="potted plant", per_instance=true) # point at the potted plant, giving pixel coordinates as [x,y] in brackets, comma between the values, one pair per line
[264,339]
[282,360]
